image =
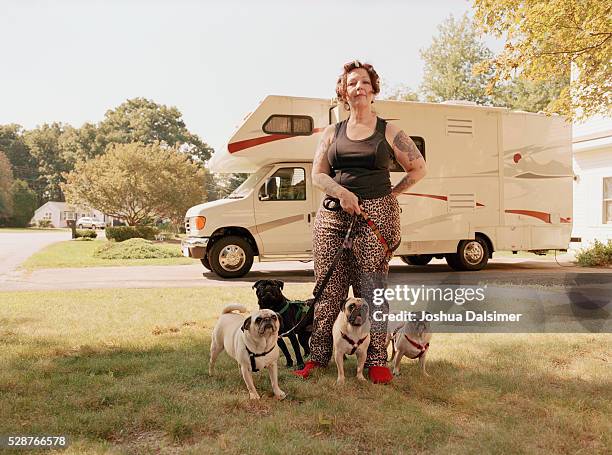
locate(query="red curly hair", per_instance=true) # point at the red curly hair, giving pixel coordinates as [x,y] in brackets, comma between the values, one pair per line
[350,66]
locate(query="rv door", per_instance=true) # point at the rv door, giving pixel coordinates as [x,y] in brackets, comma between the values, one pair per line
[284,210]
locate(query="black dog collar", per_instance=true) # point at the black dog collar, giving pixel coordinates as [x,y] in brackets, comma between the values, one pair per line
[253,355]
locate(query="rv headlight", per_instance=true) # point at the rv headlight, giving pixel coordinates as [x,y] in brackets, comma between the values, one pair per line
[199,222]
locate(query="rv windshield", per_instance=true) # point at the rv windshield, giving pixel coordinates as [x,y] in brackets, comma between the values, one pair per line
[249,183]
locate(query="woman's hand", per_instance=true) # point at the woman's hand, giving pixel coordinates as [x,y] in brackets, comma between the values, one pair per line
[349,202]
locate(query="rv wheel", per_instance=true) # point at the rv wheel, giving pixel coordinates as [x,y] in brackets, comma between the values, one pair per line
[205,262]
[231,257]
[471,255]
[418,259]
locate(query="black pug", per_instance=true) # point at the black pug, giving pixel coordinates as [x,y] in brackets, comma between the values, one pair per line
[270,296]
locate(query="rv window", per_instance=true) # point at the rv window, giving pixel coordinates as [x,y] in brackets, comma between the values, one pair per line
[420,143]
[299,125]
[286,184]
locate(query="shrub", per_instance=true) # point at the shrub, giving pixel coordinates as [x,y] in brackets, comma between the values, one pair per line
[86,234]
[597,255]
[45,224]
[122,233]
[135,249]
[24,205]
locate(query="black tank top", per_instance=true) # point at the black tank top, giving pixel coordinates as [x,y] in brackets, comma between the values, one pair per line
[361,166]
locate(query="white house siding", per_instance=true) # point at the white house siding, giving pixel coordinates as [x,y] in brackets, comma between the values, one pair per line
[592,147]
[57,212]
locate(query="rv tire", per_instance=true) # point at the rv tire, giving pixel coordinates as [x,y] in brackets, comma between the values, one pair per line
[471,255]
[417,259]
[231,257]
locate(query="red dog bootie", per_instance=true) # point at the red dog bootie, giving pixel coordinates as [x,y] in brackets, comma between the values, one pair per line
[380,375]
[308,367]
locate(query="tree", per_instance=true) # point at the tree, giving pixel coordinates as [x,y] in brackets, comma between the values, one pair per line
[47,147]
[544,38]
[400,92]
[142,120]
[449,62]
[24,204]
[12,143]
[6,184]
[532,96]
[135,182]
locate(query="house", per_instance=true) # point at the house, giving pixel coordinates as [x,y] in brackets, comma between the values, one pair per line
[59,212]
[592,159]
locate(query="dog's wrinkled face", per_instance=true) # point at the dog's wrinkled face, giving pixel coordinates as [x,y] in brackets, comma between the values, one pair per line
[420,324]
[262,323]
[269,292]
[356,311]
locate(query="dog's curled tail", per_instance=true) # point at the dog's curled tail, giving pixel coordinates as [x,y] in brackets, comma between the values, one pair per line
[234,307]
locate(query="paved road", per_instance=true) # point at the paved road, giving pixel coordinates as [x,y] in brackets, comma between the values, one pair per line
[16,247]
[502,270]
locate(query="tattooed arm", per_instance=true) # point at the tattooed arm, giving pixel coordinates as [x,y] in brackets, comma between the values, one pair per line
[321,178]
[408,156]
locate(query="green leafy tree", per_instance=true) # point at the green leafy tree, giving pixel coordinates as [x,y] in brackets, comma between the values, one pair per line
[532,96]
[143,120]
[400,92]
[6,184]
[47,147]
[24,204]
[12,143]
[136,182]
[546,37]
[449,63]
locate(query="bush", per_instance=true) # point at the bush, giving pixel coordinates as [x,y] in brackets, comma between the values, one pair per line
[135,249]
[122,233]
[86,234]
[45,224]
[597,255]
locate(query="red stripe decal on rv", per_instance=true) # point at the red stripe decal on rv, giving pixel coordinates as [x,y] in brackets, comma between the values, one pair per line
[435,196]
[539,215]
[248,143]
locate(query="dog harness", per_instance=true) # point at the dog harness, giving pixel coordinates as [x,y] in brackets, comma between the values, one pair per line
[422,348]
[253,355]
[354,344]
[303,307]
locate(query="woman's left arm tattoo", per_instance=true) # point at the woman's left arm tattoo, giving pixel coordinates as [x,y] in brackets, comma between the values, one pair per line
[404,184]
[404,144]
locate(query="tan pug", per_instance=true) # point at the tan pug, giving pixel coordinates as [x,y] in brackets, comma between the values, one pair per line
[411,340]
[251,341]
[351,334]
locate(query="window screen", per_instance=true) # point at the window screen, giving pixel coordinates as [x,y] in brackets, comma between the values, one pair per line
[419,142]
[288,124]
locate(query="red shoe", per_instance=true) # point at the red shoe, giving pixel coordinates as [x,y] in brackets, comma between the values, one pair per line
[380,375]
[308,367]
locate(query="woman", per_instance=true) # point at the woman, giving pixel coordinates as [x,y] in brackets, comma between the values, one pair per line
[352,165]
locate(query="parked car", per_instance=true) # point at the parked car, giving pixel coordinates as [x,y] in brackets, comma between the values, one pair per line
[90,223]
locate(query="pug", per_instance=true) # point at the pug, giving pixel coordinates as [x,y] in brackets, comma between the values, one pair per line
[270,296]
[411,339]
[251,342]
[351,334]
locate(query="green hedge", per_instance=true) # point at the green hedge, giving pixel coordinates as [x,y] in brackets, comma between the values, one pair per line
[121,233]
[86,234]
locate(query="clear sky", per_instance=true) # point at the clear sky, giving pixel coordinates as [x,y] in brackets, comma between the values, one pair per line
[72,60]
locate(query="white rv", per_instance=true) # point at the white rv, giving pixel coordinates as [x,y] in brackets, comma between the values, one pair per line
[497,180]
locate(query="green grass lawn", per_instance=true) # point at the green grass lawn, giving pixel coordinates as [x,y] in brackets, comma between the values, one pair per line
[125,371]
[31,229]
[72,253]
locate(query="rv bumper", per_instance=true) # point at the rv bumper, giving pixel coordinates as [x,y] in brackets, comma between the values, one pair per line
[194,247]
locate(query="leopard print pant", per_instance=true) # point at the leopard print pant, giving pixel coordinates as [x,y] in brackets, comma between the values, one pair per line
[364,266]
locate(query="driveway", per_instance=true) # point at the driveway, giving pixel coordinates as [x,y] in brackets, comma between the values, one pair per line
[16,247]
[503,270]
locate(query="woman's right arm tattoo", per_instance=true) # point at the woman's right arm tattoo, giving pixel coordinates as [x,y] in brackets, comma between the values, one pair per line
[406,145]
